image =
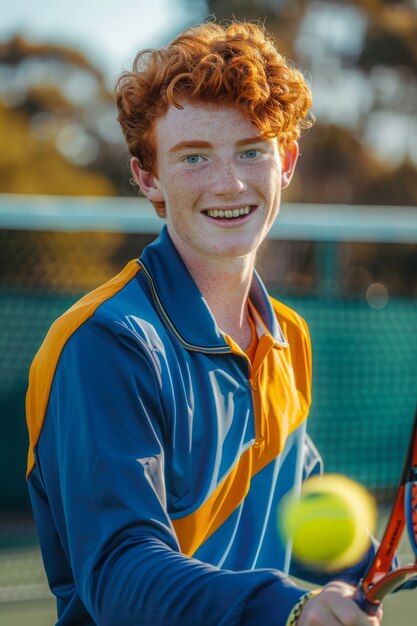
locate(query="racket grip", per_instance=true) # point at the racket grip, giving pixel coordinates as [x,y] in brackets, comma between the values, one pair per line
[371,608]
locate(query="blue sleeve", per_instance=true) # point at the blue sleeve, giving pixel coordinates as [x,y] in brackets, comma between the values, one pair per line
[351,575]
[101,461]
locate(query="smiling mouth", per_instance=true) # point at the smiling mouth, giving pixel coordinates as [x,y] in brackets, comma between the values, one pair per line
[230,214]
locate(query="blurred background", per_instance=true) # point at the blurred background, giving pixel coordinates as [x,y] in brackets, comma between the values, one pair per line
[343,252]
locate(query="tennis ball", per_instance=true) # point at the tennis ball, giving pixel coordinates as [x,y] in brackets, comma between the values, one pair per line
[329,523]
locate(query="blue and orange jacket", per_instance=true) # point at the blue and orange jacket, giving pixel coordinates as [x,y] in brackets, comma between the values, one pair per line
[159,453]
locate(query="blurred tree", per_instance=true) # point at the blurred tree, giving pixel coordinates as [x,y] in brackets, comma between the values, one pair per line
[58,128]
[362,57]
[30,163]
[58,135]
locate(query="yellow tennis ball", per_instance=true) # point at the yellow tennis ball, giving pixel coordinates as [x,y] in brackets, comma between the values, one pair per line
[329,523]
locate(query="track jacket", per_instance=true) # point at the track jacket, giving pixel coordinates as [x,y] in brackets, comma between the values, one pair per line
[159,453]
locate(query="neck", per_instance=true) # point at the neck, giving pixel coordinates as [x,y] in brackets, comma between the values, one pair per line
[225,285]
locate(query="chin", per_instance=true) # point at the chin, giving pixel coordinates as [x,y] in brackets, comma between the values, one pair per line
[236,250]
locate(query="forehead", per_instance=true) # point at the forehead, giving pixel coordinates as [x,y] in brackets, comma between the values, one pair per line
[202,121]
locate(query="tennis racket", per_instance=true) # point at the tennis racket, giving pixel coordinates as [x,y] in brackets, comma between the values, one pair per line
[379,580]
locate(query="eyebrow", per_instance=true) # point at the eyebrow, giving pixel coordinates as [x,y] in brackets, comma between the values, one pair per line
[185,145]
[253,139]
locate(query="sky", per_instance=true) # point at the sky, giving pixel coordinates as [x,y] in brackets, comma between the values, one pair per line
[109,32]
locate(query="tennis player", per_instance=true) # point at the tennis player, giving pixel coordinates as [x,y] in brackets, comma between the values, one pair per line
[167,409]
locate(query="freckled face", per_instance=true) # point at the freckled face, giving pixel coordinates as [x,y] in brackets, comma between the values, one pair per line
[220,180]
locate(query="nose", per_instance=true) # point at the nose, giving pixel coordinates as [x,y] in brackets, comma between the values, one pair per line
[229,180]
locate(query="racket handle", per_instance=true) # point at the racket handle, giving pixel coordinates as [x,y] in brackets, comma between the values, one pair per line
[371,608]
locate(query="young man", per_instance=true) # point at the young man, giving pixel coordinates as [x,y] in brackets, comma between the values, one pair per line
[167,408]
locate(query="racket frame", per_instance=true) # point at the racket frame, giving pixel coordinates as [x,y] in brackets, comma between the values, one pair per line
[379,579]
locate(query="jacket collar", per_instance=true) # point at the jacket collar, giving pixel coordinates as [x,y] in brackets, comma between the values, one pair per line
[183,307]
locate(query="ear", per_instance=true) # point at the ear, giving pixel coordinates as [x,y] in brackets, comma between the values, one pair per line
[288,164]
[147,181]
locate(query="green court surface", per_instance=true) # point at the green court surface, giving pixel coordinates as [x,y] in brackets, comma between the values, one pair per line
[25,599]
[41,613]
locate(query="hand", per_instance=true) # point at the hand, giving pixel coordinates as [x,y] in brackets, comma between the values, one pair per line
[334,606]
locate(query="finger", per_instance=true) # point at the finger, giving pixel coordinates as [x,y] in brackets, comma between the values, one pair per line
[354,617]
[348,613]
[377,619]
[335,606]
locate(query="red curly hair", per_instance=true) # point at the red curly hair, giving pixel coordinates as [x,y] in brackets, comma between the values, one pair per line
[236,64]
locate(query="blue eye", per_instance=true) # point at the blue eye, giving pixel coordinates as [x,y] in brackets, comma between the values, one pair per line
[250,154]
[192,159]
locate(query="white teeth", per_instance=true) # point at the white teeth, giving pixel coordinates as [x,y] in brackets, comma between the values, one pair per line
[229,213]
